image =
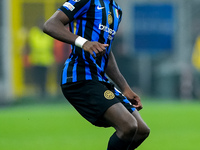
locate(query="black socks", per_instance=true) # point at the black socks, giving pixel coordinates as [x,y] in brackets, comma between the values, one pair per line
[116,143]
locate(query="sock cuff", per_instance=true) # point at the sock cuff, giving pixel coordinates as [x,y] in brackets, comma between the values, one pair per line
[120,140]
[115,143]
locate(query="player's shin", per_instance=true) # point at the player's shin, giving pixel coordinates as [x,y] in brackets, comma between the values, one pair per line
[137,141]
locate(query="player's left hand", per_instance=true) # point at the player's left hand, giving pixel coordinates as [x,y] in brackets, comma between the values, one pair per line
[134,99]
[96,49]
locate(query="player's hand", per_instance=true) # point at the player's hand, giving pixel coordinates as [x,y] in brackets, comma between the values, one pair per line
[96,49]
[134,99]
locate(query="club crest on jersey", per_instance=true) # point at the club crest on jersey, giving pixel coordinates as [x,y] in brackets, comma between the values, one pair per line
[69,6]
[109,94]
[110,18]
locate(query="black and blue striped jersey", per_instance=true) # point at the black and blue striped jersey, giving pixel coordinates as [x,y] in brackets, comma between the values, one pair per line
[95,20]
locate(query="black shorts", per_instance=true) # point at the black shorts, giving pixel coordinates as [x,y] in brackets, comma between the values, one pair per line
[92,98]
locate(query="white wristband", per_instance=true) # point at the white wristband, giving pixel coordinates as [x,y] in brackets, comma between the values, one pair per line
[80,41]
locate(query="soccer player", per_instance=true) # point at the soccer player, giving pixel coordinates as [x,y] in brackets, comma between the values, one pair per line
[93,24]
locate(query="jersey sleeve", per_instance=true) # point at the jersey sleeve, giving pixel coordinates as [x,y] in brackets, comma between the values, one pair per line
[120,15]
[75,8]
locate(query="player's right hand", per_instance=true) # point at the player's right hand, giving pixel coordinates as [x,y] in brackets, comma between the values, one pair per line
[96,49]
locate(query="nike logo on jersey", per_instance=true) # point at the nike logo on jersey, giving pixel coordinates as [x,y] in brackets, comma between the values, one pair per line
[99,8]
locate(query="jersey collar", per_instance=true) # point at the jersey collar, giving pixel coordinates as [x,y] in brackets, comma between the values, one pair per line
[112,2]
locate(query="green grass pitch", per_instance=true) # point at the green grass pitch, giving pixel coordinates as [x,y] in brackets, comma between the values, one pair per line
[174,126]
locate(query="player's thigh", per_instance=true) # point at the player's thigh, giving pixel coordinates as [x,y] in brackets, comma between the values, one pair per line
[142,126]
[119,117]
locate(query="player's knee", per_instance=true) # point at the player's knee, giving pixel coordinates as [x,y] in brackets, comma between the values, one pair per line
[129,130]
[145,133]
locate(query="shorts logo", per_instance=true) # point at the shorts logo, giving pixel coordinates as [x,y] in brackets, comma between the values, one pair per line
[109,94]
[69,6]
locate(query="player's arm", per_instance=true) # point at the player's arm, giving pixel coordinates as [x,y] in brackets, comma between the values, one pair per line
[55,27]
[115,75]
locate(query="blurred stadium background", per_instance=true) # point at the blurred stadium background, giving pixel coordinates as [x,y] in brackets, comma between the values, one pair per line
[154,47]
[157,49]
